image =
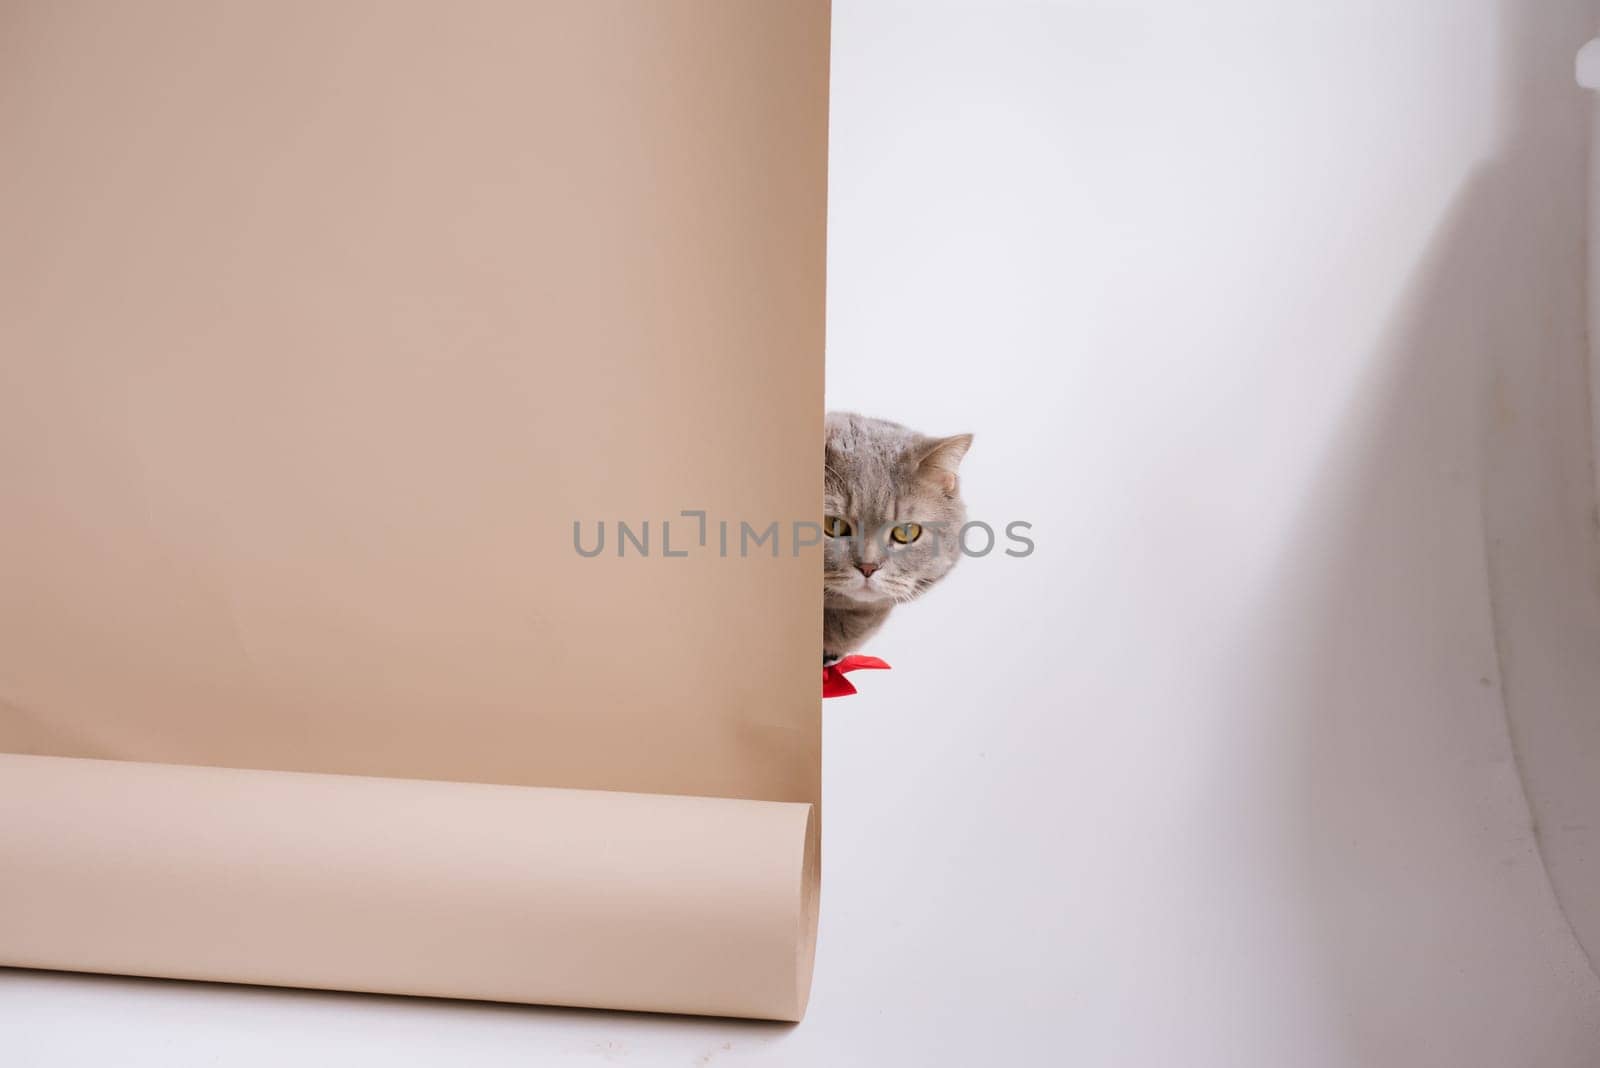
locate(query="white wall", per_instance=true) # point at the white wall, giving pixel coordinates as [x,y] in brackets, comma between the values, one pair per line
[1271,318]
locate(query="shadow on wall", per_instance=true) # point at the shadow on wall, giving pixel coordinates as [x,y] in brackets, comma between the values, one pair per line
[1462,478]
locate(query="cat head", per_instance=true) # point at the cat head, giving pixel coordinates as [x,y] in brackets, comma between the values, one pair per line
[892,509]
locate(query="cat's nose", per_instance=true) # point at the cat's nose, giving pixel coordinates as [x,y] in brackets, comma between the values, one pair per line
[867,569]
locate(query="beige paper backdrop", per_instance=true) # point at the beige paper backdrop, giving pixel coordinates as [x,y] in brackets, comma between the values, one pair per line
[321,324]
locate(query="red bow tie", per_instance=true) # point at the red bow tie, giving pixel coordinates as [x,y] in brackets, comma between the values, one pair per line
[834,684]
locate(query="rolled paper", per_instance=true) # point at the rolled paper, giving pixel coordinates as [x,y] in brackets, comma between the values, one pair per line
[335,337]
[405,886]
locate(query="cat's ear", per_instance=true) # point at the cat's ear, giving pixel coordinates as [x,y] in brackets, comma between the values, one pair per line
[939,459]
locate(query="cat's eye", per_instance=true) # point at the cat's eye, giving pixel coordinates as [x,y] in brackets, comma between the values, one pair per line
[905,533]
[837,526]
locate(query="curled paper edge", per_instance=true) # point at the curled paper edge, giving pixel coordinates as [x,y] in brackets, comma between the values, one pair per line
[596,898]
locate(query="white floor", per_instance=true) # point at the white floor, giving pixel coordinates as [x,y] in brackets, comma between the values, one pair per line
[1281,748]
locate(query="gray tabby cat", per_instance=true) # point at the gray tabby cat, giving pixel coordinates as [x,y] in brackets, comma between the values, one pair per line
[892,516]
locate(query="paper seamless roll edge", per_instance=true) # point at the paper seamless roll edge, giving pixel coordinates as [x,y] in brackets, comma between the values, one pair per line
[401,886]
